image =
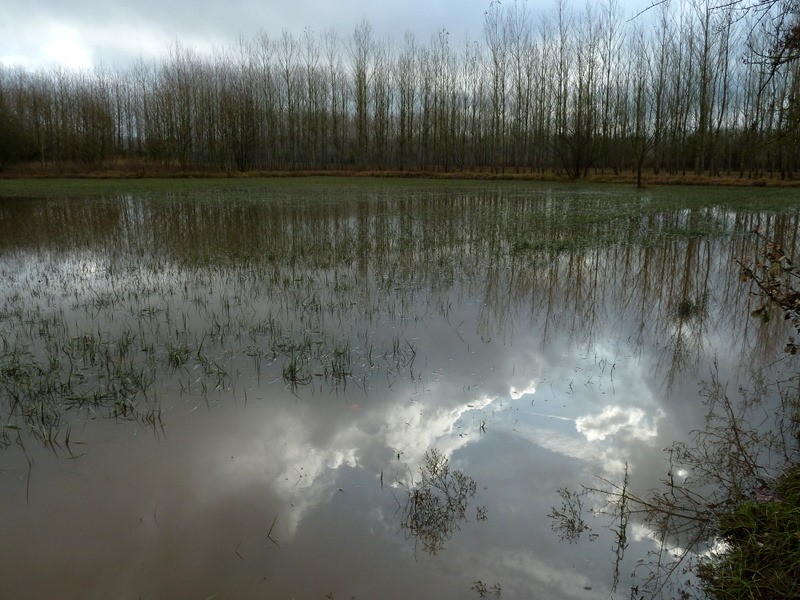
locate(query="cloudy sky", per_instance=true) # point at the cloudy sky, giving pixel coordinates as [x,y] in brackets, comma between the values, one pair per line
[82,33]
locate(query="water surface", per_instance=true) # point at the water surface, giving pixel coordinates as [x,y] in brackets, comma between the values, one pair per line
[352,390]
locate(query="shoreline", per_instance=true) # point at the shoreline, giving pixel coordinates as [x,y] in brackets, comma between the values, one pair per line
[17,172]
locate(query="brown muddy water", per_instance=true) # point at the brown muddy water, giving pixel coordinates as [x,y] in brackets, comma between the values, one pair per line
[351,390]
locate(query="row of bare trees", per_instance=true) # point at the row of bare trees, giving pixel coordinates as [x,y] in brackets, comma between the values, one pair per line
[678,89]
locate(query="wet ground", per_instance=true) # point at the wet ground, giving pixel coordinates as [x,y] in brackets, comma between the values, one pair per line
[349,392]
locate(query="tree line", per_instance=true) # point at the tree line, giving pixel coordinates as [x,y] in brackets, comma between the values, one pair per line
[690,86]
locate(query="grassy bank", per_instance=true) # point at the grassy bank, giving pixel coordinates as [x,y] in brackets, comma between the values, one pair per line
[599,201]
[762,554]
[142,170]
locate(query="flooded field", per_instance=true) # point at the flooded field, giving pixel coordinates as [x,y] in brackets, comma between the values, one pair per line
[345,389]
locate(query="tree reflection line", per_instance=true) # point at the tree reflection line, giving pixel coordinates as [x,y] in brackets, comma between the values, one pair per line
[436,505]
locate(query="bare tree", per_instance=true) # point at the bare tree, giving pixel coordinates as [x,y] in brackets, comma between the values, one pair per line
[496,34]
[360,49]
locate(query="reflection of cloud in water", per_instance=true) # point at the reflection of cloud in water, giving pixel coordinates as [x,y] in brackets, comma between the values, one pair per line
[606,460]
[562,402]
[301,449]
[516,394]
[521,568]
[632,421]
[568,388]
[415,428]
[303,471]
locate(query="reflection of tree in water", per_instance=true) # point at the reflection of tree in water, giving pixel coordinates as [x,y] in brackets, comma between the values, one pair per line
[437,504]
[723,518]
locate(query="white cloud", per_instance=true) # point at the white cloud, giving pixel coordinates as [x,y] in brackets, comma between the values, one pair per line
[632,421]
[516,394]
[66,45]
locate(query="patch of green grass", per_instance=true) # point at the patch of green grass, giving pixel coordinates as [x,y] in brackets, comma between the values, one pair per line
[598,198]
[109,187]
[762,559]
